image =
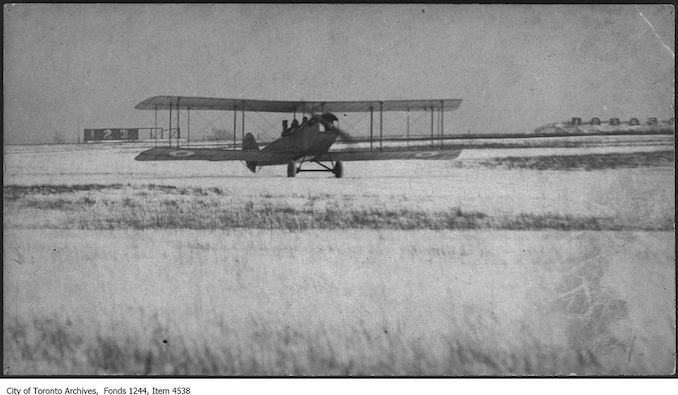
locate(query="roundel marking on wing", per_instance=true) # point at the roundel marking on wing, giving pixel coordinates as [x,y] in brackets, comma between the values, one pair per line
[426,154]
[180,154]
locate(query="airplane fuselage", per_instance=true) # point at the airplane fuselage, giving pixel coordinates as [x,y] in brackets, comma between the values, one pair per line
[303,143]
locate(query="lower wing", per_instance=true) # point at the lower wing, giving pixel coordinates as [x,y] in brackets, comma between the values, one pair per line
[267,158]
[442,154]
[214,154]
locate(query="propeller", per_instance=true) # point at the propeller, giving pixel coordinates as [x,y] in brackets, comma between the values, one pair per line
[342,134]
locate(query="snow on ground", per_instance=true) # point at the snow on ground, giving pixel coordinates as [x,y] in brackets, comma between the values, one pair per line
[493,302]
[426,184]
[99,163]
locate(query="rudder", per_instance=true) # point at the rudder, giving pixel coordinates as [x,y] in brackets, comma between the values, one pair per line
[250,144]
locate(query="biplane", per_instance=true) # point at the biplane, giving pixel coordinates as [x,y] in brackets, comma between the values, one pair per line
[301,143]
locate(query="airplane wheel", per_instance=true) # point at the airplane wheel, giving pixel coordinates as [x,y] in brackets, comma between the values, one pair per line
[338,169]
[291,169]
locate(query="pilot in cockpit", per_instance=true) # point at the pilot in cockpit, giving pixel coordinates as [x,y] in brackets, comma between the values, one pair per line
[287,131]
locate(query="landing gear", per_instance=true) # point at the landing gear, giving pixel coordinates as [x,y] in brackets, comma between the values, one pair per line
[291,169]
[337,168]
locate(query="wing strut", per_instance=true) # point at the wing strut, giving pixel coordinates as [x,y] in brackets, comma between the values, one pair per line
[432,141]
[442,127]
[371,124]
[235,115]
[381,125]
[156,126]
[242,115]
[408,127]
[178,122]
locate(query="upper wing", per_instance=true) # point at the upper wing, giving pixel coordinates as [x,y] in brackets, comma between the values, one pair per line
[442,154]
[213,154]
[209,103]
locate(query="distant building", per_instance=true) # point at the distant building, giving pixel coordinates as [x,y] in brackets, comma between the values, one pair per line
[111,134]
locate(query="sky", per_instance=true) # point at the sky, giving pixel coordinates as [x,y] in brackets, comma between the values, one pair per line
[73,66]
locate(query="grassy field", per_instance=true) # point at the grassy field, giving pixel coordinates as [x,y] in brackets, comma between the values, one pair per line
[167,207]
[369,303]
[586,162]
[498,265]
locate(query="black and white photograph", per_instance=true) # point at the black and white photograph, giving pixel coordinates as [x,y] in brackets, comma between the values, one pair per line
[338,190]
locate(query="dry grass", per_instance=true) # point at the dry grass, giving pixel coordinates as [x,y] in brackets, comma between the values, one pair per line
[585,161]
[253,302]
[54,348]
[167,207]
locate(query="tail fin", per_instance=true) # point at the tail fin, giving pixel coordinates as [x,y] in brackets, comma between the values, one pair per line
[249,144]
